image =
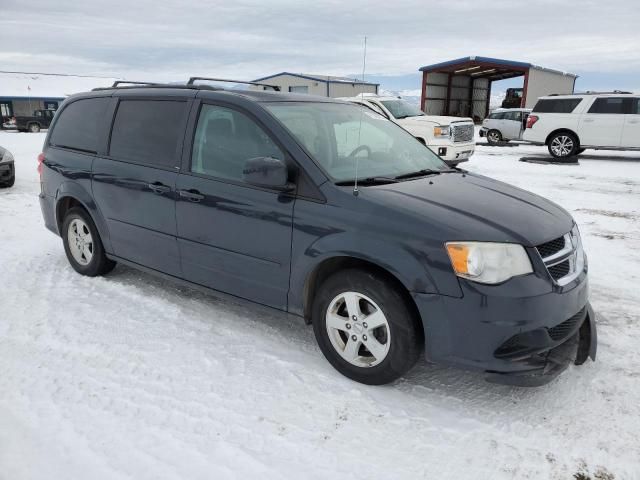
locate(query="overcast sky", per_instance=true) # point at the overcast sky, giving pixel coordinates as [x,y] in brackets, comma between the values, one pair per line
[172,39]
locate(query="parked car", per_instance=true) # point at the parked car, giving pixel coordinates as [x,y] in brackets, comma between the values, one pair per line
[570,124]
[452,138]
[504,125]
[307,205]
[8,123]
[40,120]
[7,169]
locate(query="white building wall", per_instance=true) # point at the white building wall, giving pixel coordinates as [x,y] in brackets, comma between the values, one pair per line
[542,82]
[318,87]
[344,89]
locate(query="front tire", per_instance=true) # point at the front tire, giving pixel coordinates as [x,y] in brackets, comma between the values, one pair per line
[82,244]
[365,328]
[563,145]
[9,183]
[494,137]
[34,128]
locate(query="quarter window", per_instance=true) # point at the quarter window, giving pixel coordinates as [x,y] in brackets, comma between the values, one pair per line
[225,139]
[556,105]
[80,125]
[614,105]
[148,132]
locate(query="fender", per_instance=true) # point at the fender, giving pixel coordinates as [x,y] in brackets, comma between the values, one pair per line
[77,192]
[410,268]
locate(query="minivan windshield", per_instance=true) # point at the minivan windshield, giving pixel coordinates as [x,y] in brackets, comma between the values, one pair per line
[401,109]
[339,135]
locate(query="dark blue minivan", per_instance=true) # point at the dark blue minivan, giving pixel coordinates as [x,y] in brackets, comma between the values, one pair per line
[325,210]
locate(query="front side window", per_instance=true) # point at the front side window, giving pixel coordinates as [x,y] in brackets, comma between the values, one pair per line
[148,132]
[80,124]
[611,105]
[556,105]
[225,139]
[497,116]
[337,136]
[401,109]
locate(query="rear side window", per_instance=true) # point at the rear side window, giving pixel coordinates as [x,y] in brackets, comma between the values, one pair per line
[612,105]
[496,116]
[148,132]
[79,125]
[556,105]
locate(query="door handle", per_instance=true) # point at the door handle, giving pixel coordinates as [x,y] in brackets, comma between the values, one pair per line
[588,120]
[191,195]
[159,188]
[634,121]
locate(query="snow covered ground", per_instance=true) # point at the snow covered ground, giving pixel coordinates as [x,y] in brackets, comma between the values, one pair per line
[130,377]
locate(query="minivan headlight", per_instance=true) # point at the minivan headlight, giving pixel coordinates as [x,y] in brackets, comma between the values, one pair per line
[441,132]
[487,262]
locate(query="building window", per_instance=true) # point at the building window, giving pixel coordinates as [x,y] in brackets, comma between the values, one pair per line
[300,89]
[50,105]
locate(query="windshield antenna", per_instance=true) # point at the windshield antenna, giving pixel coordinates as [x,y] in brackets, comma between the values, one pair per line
[364,65]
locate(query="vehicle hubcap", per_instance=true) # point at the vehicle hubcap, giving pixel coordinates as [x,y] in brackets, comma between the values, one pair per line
[80,241]
[358,329]
[562,146]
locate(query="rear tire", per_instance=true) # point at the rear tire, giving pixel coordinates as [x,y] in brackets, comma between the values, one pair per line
[580,150]
[494,137]
[384,323]
[34,128]
[563,145]
[82,244]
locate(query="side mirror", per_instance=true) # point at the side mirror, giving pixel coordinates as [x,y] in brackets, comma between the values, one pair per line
[267,172]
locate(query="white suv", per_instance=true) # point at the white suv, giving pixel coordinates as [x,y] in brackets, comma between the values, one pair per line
[452,138]
[569,124]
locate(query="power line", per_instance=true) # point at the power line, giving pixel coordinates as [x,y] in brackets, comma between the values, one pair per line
[57,74]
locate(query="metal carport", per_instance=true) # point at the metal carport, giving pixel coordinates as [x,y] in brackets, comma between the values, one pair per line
[462,87]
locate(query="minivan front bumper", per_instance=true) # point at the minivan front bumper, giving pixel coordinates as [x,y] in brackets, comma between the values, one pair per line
[519,333]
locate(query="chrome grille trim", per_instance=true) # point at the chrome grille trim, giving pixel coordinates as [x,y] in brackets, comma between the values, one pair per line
[462,132]
[572,252]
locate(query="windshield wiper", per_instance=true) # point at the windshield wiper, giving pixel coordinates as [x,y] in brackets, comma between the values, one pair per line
[368,181]
[421,173]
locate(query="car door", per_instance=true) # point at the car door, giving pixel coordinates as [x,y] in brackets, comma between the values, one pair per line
[602,124]
[631,130]
[134,184]
[232,236]
[511,125]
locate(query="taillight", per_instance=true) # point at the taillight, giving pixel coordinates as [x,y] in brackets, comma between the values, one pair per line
[40,164]
[531,120]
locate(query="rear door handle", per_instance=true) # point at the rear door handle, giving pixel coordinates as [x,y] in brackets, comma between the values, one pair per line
[159,188]
[634,121]
[191,195]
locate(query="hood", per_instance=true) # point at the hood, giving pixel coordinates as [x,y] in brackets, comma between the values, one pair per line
[433,119]
[456,206]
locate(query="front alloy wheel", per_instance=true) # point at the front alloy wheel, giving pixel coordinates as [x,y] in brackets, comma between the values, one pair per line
[366,326]
[358,329]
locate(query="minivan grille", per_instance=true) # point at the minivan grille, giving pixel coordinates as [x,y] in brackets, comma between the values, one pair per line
[560,270]
[549,248]
[563,257]
[462,133]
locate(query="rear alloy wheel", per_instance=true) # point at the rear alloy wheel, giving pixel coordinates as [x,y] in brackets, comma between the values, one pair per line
[34,128]
[494,137]
[365,328]
[82,244]
[563,145]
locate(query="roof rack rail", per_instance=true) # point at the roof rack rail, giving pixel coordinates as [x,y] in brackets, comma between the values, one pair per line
[120,82]
[192,81]
[591,92]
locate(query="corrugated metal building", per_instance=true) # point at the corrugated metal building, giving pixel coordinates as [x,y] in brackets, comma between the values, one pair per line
[462,87]
[323,85]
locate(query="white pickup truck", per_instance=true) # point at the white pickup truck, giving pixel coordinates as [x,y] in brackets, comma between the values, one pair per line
[452,138]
